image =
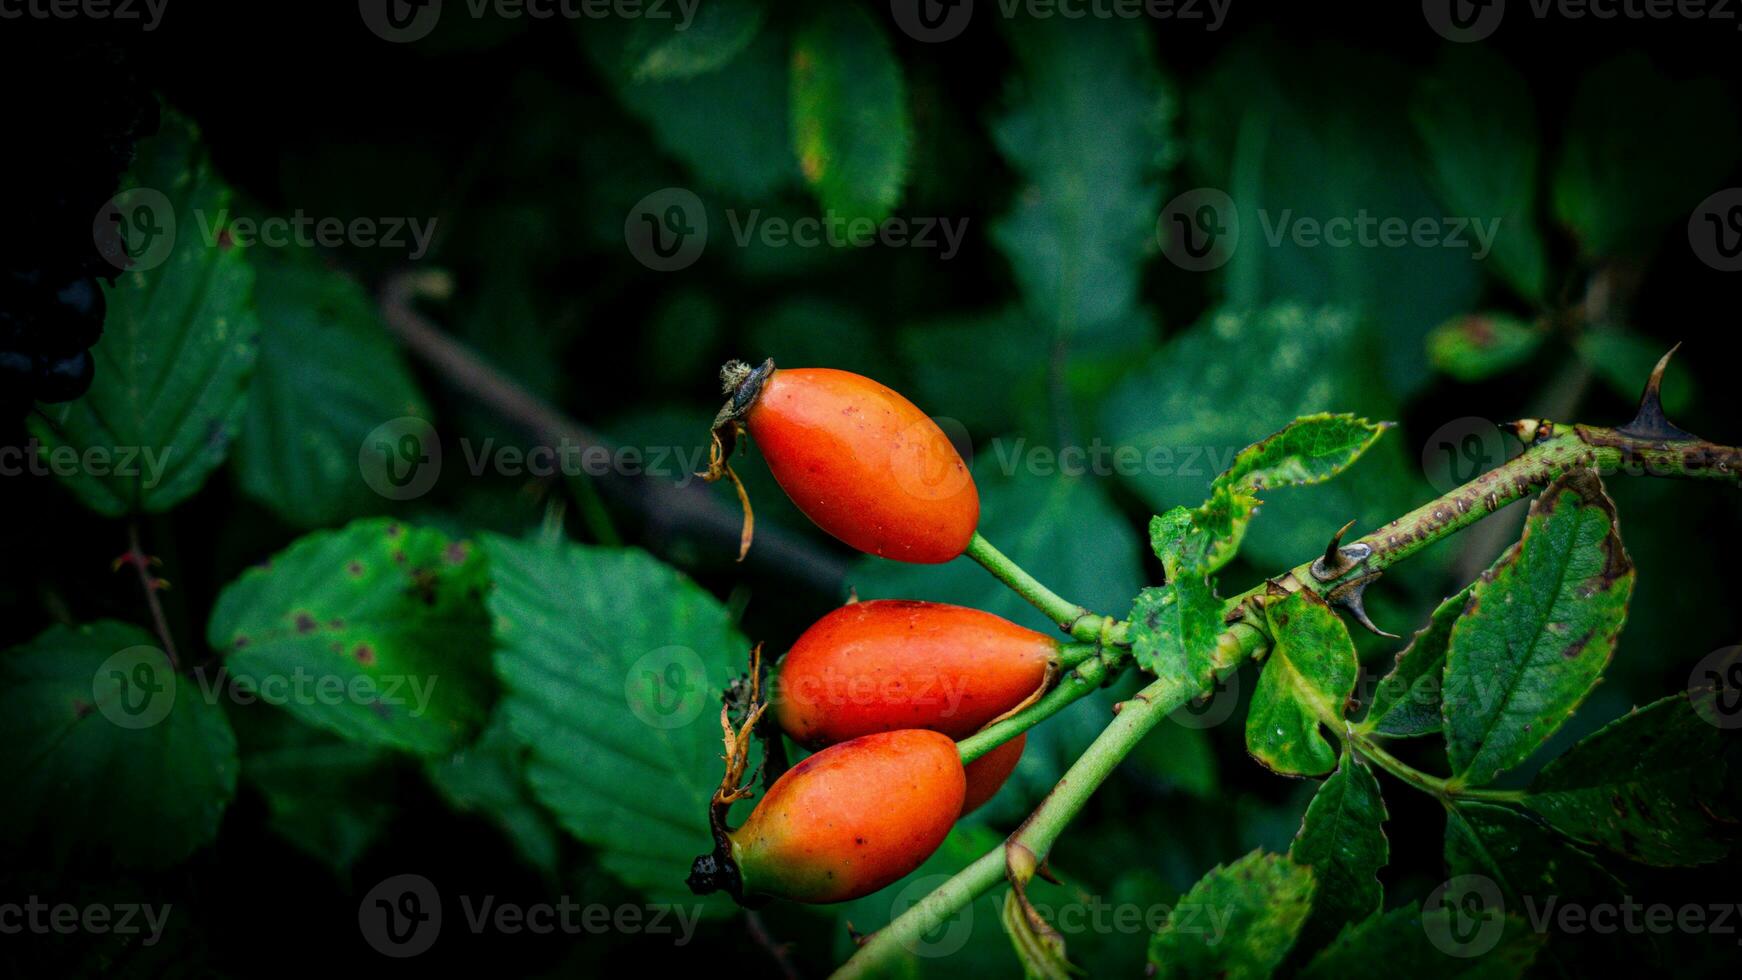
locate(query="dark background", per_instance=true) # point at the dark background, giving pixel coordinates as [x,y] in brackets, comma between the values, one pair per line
[515,140]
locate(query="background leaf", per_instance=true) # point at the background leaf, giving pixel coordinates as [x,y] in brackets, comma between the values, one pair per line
[850,124]
[1407,701]
[178,346]
[612,664]
[114,758]
[1646,787]
[1261,901]
[328,376]
[376,632]
[1373,949]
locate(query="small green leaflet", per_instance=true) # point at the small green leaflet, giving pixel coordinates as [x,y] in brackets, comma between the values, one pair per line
[178,343]
[1539,630]
[1174,628]
[1310,449]
[850,125]
[1477,346]
[1406,701]
[112,757]
[1307,679]
[612,665]
[1646,787]
[1342,841]
[1406,937]
[1237,922]
[376,631]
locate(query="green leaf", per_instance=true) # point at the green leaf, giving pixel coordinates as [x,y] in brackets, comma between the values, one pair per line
[612,664]
[112,757]
[1406,702]
[1532,871]
[1087,129]
[1375,949]
[850,125]
[1293,159]
[1306,680]
[489,777]
[1641,149]
[1311,449]
[1042,955]
[178,344]
[729,126]
[328,376]
[1342,841]
[375,631]
[1477,346]
[330,798]
[1646,787]
[1237,922]
[1174,628]
[1200,541]
[1539,630]
[1193,407]
[1475,120]
[674,49]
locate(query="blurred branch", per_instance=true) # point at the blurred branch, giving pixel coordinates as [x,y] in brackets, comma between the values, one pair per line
[666,506]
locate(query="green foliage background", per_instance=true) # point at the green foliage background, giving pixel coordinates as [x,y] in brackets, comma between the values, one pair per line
[1058,323]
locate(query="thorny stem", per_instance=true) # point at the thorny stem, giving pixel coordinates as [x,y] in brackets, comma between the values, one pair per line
[1078,621]
[1551,451]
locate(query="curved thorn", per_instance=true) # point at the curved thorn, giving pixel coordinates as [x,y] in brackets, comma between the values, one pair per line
[1335,561]
[1352,597]
[1649,422]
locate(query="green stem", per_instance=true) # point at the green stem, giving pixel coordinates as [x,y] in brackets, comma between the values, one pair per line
[1080,682]
[1076,620]
[1443,789]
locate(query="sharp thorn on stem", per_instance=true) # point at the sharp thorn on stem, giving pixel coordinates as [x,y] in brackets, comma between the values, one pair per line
[1352,597]
[1649,422]
[1337,560]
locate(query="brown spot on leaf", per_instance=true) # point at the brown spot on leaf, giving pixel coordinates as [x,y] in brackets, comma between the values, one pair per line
[365,654]
[305,623]
[354,569]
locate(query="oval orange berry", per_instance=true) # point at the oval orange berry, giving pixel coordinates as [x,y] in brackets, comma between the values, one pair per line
[863,463]
[852,818]
[884,665]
